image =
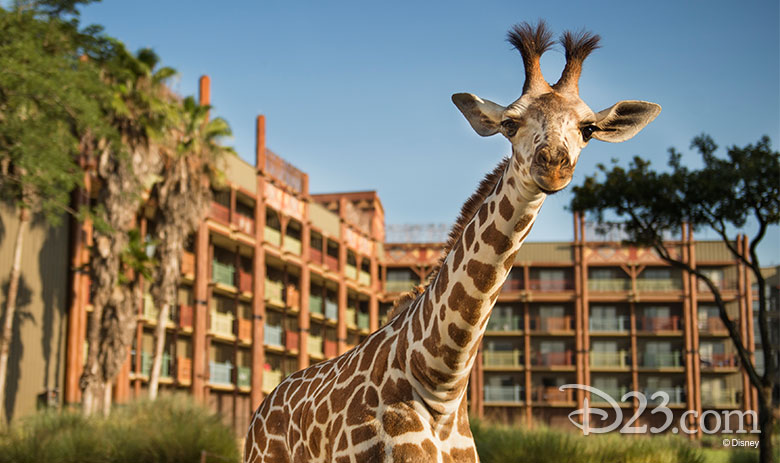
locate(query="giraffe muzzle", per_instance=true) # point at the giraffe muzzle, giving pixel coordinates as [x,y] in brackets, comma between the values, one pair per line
[551,169]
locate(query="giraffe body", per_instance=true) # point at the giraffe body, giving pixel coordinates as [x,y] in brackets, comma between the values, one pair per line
[400,396]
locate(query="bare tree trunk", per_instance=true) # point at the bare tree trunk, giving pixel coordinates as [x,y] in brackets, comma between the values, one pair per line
[159,346]
[766,424]
[10,307]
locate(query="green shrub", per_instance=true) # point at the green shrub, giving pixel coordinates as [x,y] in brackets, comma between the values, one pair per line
[501,444]
[171,429]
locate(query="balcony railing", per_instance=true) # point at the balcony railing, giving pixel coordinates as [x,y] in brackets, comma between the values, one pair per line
[146,364]
[676,394]
[292,297]
[315,344]
[719,360]
[617,324]
[245,329]
[550,285]
[292,245]
[271,379]
[151,313]
[351,316]
[503,393]
[614,392]
[331,310]
[712,325]
[244,377]
[364,278]
[220,373]
[512,285]
[184,369]
[332,263]
[658,285]
[720,397]
[551,359]
[274,291]
[331,348]
[185,316]
[244,224]
[272,236]
[221,323]
[551,394]
[272,335]
[659,323]
[609,284]
[494,358]
[222,273]
[245,281]
[350,271]
[220,212]
[187,263]
[505,323]
[564,323]
[661,359]
[399,286]
[315,304]
[609,359]
[291,339]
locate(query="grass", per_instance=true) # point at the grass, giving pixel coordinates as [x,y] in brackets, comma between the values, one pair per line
[171,429]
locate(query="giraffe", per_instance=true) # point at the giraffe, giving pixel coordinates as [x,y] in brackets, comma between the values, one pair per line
[400,395]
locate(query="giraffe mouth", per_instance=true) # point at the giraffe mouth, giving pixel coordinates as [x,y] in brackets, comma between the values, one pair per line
[551,181]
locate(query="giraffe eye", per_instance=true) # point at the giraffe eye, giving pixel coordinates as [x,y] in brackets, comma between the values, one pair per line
[587,131]
[510,127]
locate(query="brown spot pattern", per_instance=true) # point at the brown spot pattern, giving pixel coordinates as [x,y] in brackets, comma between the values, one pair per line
[459,336]
[482,275]
[505,208]
[495,239]
[468,306]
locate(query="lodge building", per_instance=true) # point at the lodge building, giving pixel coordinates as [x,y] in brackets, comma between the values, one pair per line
[276,279]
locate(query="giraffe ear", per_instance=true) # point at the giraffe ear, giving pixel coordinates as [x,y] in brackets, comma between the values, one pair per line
[483,115]
[624,120]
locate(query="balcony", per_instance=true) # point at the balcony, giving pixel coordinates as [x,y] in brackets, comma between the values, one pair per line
[712,325]
[564,323]
[719,360]
[185,316]
[272,236]
[220,373]
[505,323]
[219,212]
[655,324]
[512,285]
[272,336]
[676,394]
[245,281]
[221,323]
[725,397]
[617,359]
[315,304]
[244,377]
[274,291]
[615,392]
[364,278]
[184,370]
[315,255]
[609,284]
[618,324]
[291,339]
[292,297]
[244,224]
[350,271]
[351,317]
[503,393]
[146,364]
[551,394]
[332,263]
[552,359]
[331,310]
[494,358]
[271,379]
[661,360]
[150,312]
[245,330]
[331,348]
[292,245]
[362,320]
[222,273]
[551,285]
[658,285]
[187,263]
[315,345]
[399,286]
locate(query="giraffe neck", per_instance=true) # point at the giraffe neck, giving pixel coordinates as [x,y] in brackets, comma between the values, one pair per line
[448,320]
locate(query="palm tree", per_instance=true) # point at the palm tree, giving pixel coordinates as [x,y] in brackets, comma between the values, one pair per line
[182,197]
[126,165]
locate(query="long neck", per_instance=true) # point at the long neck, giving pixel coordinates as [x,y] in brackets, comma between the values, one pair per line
[448,320]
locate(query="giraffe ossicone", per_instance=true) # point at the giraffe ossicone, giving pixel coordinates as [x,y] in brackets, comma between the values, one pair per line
[400,395]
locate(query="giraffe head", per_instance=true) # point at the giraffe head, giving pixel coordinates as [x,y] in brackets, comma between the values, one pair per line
[549,126]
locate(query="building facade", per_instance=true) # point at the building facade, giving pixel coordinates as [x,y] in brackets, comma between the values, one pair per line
[276,279]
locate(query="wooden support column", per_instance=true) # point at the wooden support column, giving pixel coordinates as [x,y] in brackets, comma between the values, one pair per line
[305,281]
[258,271]
[373,302]
[341,327]
[689,321]
[585,302]
[527,347]
[751,342]
[579,329]
[743,293]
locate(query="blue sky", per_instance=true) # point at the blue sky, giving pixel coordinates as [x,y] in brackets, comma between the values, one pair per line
[357,94]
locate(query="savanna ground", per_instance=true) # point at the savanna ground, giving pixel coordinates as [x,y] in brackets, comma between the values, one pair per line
[173,429]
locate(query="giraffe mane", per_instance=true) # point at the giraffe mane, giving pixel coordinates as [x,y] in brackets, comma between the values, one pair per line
[467,212]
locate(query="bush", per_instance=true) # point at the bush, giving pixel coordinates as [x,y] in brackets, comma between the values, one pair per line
[171,429]
[501,444]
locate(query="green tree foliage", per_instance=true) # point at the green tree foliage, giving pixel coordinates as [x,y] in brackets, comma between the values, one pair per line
[725,194]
